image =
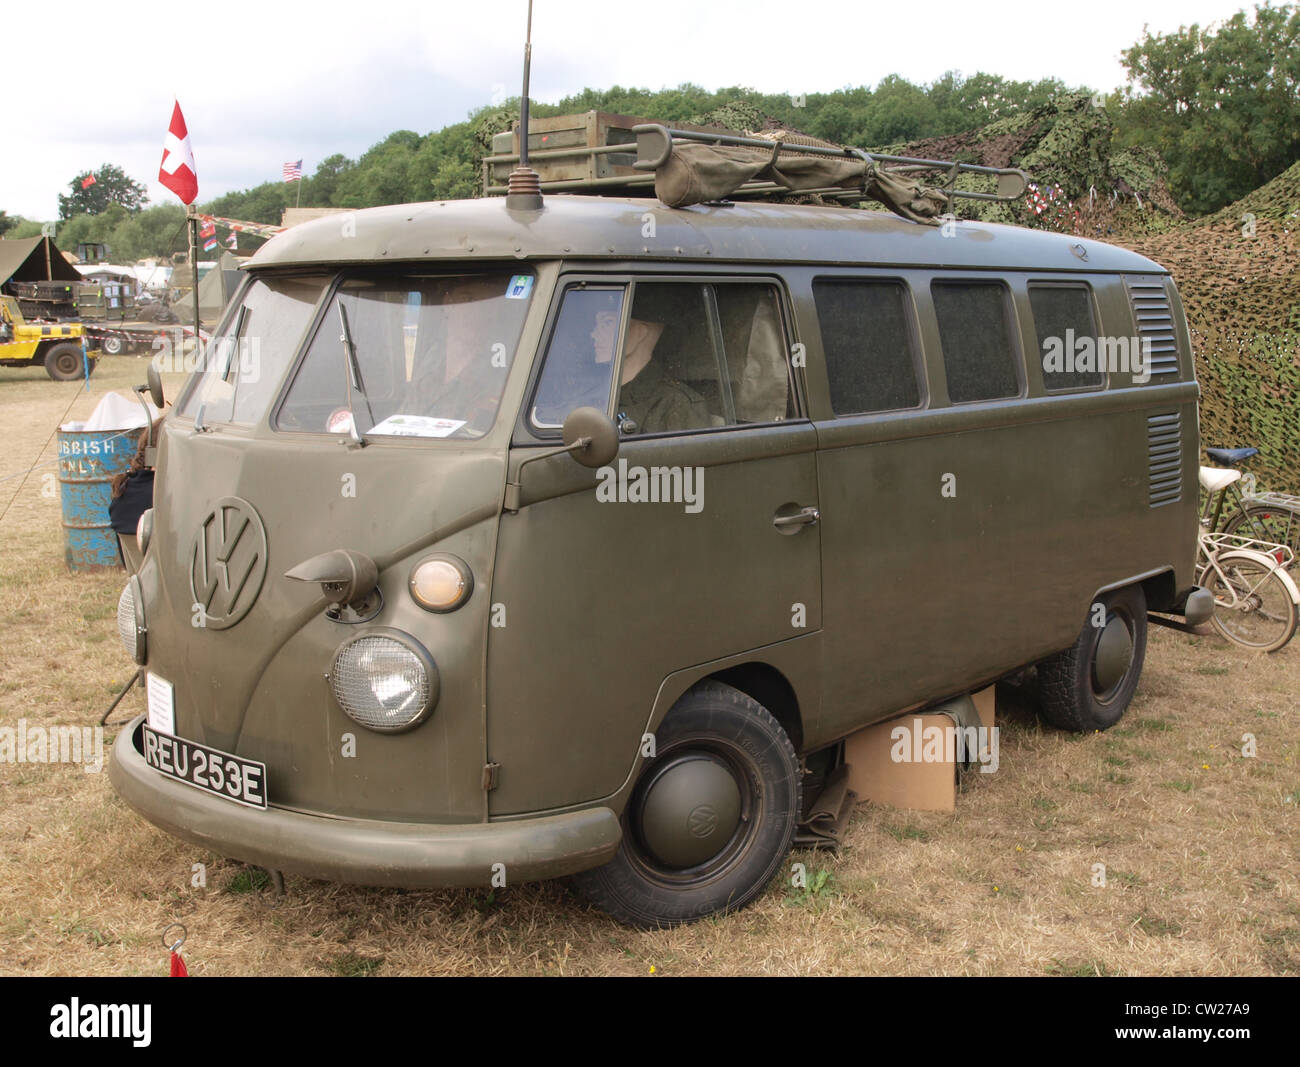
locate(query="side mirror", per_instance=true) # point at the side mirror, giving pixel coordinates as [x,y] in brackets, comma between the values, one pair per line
[601,437]
[154,379]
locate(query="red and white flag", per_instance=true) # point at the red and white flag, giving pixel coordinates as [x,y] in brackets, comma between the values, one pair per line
[177,171]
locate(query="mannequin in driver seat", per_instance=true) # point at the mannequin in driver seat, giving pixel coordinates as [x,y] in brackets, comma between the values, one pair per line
[649,401]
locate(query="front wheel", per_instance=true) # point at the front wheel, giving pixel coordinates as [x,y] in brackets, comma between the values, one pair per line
[63,362]
[712,816]
[113,344]
[1089,685]
[1252,604]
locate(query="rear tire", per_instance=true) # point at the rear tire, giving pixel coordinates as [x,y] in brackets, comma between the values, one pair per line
[63,362]
[711,819]
[1269,620]
[1266,523]
[1089,685]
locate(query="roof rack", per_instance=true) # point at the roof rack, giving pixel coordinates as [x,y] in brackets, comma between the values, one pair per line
[593,153]
[655,145]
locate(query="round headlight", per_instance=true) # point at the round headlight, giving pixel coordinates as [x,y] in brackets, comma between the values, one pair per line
[442,582]
[385,681]
[130,620]
[144,530]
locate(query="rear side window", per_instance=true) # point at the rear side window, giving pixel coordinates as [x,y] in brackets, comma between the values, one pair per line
[868,345]
[1067,336]
[976,340]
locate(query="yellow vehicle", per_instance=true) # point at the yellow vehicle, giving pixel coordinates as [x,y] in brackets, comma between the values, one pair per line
[56,346]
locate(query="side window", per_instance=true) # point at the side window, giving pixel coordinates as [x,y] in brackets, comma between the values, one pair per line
[691,356]
[868,345]
[976,340]
[754,344]
[1067,336]
[580,360]
[700,355]
[669,377]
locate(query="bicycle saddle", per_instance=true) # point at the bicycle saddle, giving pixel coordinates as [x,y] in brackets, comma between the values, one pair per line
[1227,457]
[1214,479]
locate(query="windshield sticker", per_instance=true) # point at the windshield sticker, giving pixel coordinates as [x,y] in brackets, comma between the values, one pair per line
[417,426]
[340,421]
[520,286]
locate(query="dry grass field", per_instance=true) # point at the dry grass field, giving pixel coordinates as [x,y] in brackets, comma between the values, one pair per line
[1201,845]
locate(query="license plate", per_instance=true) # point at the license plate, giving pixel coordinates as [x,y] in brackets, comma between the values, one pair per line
[232,777]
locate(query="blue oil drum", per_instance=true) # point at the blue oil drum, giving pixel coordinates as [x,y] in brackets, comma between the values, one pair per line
[88,459]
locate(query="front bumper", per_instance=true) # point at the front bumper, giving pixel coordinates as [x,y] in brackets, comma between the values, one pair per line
[364,851]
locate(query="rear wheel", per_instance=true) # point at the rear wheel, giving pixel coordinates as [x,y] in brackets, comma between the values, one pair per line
[1252,604]
[1265,523]
[1089,685]
[63,362]
[711,818]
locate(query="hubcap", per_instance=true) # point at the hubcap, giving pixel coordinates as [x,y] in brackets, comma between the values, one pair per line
[689,811]
[1113,656]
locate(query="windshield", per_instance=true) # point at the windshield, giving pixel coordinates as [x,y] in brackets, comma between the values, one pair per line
[245,362]
[410,357]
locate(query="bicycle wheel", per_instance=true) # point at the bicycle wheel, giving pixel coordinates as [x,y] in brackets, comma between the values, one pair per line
[1252,604]
[1267,522]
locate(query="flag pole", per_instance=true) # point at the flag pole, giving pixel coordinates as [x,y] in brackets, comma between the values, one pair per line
[194,261]
[298,202]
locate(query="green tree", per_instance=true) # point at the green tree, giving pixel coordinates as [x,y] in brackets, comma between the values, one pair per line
[25,228]
[111,186]
[1221,105]
[7,223]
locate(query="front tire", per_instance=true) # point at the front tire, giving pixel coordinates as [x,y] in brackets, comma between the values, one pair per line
[712,816]
[1089,685]
[63,362]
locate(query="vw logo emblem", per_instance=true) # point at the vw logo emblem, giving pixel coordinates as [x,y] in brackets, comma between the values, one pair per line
[228,562]
[702,821]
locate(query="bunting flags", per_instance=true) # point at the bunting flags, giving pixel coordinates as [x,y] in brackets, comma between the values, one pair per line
[257,229]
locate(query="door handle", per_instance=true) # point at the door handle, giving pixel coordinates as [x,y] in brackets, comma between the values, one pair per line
[802,517]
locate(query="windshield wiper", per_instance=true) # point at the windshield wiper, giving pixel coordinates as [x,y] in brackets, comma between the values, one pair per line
[354,376]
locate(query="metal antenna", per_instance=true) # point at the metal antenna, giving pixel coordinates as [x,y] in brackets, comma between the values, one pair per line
[524,189]
[523,99]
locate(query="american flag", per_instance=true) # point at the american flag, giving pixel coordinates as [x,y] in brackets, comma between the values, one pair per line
[293,171]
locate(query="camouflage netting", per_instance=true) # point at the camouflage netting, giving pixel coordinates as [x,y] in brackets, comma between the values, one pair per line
[1239,275]
[1086,184]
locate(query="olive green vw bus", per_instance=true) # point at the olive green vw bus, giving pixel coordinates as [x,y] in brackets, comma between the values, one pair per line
[508,539]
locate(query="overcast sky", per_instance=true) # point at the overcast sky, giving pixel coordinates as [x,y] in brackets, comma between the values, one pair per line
[89,83]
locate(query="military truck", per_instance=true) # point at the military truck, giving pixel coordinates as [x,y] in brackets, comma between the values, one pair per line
[56,346]
[830,469]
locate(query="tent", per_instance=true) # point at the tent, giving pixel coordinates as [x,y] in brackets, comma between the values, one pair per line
[217,286]
[34,259]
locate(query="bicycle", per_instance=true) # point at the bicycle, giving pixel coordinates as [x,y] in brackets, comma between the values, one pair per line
[1256,602]
[1270,516]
